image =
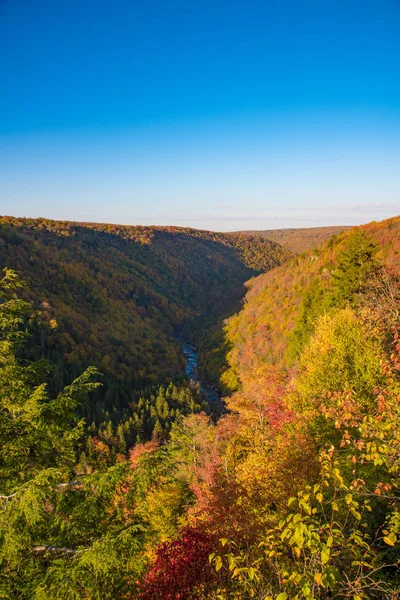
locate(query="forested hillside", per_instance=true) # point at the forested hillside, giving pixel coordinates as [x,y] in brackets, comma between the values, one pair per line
[281,307]
[114,296]
[302,239]
[293,494]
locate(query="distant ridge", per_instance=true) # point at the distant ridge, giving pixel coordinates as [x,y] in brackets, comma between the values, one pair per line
[300,240]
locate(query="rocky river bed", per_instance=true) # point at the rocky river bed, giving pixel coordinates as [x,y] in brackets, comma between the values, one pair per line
[210,392]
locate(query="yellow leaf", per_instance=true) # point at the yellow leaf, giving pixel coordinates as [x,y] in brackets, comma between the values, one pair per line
[318,578]
[390,539]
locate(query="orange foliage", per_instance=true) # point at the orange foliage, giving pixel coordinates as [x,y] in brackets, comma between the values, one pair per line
[259,333]
[260,401]
[139,450]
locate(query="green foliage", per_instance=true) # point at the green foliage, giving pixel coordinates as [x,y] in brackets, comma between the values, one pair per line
[342,356]
[115,296]
[315,302]
[35,431]
[339,536]
[59,536]
[150,417]
[320,548]
[99,512]
[354,264]
[281,306]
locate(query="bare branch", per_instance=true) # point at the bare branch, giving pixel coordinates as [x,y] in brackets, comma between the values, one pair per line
[8,497]
[69,484]
[41,549]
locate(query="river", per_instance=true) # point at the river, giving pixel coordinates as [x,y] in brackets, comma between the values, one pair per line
[210,392]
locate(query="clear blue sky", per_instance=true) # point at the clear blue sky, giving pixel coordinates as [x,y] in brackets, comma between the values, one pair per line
[209,114]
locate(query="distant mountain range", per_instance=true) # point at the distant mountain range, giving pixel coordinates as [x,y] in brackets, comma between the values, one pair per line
[299,240]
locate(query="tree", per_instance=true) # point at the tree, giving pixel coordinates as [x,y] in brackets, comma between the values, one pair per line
[181,569]
[315,302]
[60,535]
[353,265]
[342,356]
[339,536]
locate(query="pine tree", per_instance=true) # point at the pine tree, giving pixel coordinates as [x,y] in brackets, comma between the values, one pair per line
[354,264]
[60,534]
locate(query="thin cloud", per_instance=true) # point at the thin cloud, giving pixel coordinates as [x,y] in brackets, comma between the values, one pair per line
[367,206]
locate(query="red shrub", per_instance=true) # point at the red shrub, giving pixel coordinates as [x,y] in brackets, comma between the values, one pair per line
[181,570]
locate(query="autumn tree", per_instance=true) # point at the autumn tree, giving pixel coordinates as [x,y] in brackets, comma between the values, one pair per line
[181,569]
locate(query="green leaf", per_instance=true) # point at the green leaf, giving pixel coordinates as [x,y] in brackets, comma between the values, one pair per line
[218,563]
[325,555]
[305,506]
[298,537]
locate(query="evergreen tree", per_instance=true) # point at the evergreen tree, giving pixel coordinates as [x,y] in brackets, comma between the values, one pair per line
[60,534]
[354,264]
[315,302]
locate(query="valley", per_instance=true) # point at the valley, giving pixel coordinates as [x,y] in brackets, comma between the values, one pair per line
[200,300]
[113,296]
[212,394]
[194,415]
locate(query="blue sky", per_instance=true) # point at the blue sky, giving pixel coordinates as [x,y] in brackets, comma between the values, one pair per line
[239,115]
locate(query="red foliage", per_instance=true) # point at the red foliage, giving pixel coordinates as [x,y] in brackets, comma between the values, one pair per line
[181,570]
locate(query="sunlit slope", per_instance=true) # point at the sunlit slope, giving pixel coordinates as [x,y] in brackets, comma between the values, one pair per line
[300,240]
[265,330]
[117,294]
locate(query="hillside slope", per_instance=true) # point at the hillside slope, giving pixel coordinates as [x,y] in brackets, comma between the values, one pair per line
[295,485]
[118,294]
[300,240]
[278,304]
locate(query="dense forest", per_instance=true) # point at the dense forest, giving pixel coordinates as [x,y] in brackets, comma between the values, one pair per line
[117,296]
[293,493]
[282,307]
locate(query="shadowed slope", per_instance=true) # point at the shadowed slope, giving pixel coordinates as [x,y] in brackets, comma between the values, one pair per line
[118,294]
